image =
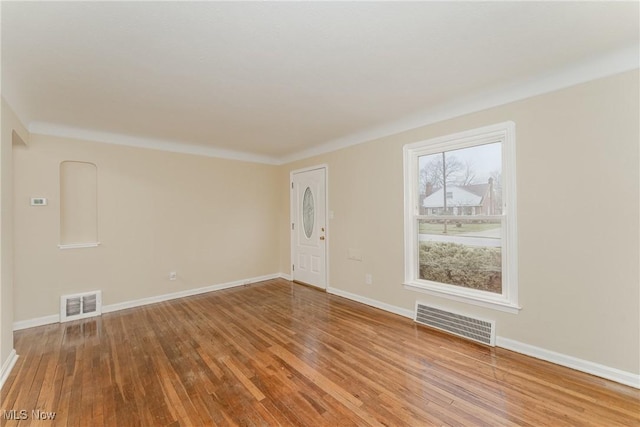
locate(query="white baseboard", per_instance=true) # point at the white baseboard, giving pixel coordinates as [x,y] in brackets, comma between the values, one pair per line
[371,302]
[166,297]
[613,374]
[38,321]
[55,318]
[285,276]
[7,366]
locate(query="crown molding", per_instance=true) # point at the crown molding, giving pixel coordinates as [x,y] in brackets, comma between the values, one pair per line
[612,63]
[615,62]
[50,129]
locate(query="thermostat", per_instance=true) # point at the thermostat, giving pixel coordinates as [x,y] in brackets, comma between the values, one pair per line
[38,201]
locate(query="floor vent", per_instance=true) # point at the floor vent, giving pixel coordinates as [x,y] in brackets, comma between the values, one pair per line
[479,330]
[79,306]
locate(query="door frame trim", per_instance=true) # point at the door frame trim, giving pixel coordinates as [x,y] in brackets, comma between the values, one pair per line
[327,219]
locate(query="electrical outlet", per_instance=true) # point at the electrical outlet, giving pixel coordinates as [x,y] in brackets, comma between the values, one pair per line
[173,275]
[368,279]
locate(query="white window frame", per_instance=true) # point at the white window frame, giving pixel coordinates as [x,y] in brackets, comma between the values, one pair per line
[505,134]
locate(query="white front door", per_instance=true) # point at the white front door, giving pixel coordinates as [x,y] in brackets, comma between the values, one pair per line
[309,227]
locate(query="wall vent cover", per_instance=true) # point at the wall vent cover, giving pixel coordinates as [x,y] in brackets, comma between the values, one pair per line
[79,306]
[478,330]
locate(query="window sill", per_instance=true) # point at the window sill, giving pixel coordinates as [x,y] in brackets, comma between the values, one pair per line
[495,303]
[79,245]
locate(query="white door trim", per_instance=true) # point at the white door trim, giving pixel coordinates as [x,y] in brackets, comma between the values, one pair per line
[328,219]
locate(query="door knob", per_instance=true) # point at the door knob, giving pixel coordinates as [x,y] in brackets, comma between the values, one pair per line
[321,237]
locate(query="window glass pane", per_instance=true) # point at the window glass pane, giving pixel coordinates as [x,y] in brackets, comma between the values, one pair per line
[461,182]
[462,252]
[430,183]
[489,230]
[460,264]
[308,213]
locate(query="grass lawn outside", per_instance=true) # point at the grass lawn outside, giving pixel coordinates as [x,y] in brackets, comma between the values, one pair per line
[453,229]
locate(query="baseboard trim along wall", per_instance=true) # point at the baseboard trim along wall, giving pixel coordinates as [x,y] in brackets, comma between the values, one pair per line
[7,366]
[166,297]
[38,321]
[55,318]
[371,302]
[613,374]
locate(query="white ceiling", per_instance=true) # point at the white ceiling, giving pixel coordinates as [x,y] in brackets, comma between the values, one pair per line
[273,81]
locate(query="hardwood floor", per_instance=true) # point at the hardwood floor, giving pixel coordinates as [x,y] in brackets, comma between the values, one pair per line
[278,353]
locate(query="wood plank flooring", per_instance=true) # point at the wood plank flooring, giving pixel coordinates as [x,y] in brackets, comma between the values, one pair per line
[278,353]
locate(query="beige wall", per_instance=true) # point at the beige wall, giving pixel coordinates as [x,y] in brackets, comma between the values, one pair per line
[215,221]
[12,133]
[211,220]
[578,210]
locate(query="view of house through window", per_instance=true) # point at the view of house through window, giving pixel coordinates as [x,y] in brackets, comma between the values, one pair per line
[460,218]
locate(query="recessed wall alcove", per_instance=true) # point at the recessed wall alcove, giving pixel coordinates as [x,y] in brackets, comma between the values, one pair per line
[78,204]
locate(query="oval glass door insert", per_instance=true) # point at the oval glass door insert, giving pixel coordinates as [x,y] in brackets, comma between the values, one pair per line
[308,212]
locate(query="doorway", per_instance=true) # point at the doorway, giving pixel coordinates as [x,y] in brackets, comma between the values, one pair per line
[309,226]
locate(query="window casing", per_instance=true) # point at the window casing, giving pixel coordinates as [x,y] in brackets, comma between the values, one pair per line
[472,214]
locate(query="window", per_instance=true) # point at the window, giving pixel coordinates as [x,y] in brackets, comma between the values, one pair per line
[460,218]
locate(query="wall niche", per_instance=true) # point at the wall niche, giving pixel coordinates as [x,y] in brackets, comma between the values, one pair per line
[78,204]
